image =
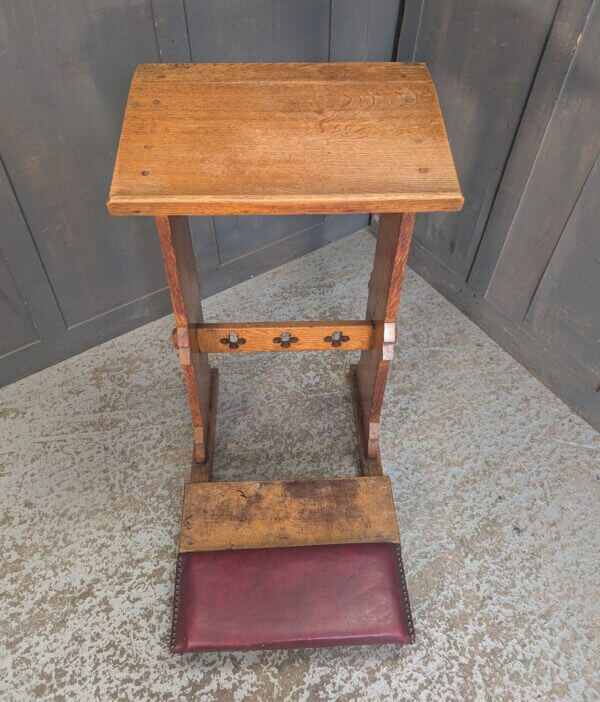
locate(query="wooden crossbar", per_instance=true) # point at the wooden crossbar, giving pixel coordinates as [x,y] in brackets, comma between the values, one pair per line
[237,337]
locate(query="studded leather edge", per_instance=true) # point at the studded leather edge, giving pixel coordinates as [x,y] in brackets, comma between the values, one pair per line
[176,604]
[411,629]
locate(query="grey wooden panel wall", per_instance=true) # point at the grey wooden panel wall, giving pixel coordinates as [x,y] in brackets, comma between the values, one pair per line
[70,275]
[519,84]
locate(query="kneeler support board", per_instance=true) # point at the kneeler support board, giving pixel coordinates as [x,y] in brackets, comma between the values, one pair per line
[286,563]
[289,564]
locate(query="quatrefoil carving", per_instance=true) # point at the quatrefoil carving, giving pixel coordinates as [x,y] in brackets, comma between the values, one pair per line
[337,338]
[285,340]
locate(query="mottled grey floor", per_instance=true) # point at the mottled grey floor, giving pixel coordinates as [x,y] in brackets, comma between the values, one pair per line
[497,488]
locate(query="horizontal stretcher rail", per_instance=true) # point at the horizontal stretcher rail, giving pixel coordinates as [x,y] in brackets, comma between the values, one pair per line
[333,335]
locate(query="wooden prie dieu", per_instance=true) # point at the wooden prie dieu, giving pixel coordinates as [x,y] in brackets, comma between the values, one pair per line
[283,564]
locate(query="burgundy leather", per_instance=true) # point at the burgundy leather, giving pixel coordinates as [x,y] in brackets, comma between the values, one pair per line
[296,597]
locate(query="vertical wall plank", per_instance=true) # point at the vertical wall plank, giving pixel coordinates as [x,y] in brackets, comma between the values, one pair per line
[62,107]
[522,110]
[558,54]
[566,156]
[262,30]
[483,56]
[23,271]
[171,30]
[17,327]
[363,30]
[564,311]
[410,29]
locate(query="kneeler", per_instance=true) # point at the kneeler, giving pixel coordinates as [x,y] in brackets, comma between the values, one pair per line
[283,564]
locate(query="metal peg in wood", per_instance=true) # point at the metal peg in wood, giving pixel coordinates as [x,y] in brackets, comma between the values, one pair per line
[337,338]
[285,340]
[233,340]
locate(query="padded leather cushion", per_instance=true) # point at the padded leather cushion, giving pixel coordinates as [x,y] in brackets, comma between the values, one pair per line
[295,597]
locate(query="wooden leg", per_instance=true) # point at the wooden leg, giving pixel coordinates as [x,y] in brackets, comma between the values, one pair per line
[369,376]
[200,380]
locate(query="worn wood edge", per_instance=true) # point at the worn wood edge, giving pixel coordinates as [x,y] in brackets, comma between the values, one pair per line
[170,70]
[385,529]
[368,466]
[202,472]
[193,205]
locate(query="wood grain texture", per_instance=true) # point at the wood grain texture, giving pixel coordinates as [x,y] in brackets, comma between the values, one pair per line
[260,336]
[180,265]
[369,465]
[202,470]
[223,516]
[385,286]
[283,138]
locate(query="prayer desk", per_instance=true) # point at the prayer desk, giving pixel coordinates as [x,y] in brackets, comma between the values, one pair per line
[286,563]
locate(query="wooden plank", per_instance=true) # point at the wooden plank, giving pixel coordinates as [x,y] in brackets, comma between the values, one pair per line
[182,276]
[334,227]
[565,35]
[261,30]
[17,328]
[288,138]
[410,28]
[223,516]
[363,30]
[369,465]
[171,30]
[27,292]
[566,157]
[240,236]
[202,470]
[483,56]
[57,168]
[385,285]
[565,311]
[304,336]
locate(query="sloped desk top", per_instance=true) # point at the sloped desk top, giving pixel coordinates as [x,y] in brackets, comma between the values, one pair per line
[293,138]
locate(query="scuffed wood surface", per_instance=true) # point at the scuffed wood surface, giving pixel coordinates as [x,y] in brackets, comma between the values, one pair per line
[221,516]
[296,138]
[385,286]
[184,287]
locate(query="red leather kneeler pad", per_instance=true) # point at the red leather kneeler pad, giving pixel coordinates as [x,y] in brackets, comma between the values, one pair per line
[305,596]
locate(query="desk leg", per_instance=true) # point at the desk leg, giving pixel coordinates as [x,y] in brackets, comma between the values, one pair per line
[369,375]
[200,380]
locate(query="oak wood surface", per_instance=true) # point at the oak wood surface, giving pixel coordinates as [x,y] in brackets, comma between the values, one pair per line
[294,138]
[222,516]
[369,465]
[202,469]
[385,285]
[180,265]
[266,336]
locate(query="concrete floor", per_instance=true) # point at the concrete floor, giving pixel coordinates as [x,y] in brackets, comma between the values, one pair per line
[497,488]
